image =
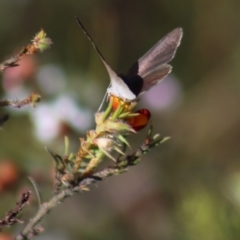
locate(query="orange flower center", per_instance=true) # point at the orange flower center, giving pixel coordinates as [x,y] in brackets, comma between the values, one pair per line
[118,101]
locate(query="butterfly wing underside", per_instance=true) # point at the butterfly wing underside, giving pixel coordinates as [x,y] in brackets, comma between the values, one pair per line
[152,66]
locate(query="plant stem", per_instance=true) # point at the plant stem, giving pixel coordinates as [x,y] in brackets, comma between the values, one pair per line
[43,210]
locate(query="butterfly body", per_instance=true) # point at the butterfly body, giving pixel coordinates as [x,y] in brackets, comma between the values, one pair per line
[126,88]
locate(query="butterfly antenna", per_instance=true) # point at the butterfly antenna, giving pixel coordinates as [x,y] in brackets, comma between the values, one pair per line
[90,39]
[97,50]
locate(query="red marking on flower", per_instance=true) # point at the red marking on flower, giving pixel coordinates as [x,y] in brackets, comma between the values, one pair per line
[140,121]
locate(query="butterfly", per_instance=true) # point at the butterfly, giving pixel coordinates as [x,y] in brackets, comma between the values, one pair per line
[151,68]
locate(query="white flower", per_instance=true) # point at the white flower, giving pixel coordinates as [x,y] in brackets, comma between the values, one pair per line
[48,117]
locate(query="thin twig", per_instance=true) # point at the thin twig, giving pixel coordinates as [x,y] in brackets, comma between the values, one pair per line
[44,209]
[12,216]
[30,100]
[39,43]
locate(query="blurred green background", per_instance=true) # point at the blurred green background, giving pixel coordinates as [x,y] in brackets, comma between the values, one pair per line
[188,188]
